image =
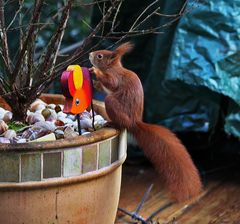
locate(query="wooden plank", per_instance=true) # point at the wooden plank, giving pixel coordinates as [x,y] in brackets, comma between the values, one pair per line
[213,205]
[136,180]
[221,206]
[178,209]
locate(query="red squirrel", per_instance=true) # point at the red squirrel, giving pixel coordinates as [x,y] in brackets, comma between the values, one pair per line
[124,107]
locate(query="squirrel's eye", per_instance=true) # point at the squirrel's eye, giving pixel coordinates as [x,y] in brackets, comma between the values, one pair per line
[99,56]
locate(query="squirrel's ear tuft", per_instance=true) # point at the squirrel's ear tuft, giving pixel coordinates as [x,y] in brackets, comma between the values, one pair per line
[124,48]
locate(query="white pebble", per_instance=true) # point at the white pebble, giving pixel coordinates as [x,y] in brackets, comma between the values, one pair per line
[2,112]
[10,134]
[61,114]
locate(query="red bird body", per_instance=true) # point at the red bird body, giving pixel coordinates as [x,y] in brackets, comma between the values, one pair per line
[77,88]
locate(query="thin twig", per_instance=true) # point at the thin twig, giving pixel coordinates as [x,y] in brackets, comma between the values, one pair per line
[87,24]
[2,86]
[146,18]
[91,3]
[27,25]
[55,42]
[20,24]
[103,13]
[135,33]
[142,13]
[115,16]
[4,39]
[44,25]
[62,34]
[35,17]
[132,34]
[98,27]
[16,14]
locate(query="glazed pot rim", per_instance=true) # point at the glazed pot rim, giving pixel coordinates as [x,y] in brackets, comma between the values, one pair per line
[93,137]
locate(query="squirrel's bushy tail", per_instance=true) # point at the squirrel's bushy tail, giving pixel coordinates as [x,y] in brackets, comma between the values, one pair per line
[170,158]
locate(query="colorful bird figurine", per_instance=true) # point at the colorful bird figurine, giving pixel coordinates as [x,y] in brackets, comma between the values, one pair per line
[77,88]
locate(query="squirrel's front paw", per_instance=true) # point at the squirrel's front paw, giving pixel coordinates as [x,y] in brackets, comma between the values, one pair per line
[92,70]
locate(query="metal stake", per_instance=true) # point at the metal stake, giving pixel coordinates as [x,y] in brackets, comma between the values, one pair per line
[79,124]
[135,215]
[93,120]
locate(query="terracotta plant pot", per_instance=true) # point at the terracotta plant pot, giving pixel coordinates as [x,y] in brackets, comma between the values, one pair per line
[64,181]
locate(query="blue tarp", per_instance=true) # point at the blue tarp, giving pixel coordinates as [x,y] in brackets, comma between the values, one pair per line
[206,53]
[188,71]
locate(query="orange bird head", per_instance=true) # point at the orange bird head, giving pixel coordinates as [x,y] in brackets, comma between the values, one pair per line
[77,88]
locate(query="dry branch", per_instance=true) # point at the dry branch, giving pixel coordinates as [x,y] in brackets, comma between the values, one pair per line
[80,51]
[4,39]
[16,14]
[35,17]
[55,42]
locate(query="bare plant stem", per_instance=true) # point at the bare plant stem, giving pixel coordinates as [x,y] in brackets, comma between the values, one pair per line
[35,17]
[18,12]
[4,39]
[55,42]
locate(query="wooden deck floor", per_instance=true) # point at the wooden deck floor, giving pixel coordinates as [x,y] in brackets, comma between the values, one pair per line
[219,203]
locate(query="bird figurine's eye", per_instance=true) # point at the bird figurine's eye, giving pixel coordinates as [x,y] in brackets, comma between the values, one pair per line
[99,56]
[77,101]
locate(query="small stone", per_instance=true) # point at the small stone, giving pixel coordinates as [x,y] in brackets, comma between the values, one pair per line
[48,137]
[33,118]
[46,113]
[69,133]
[32,134]
[92,113]
[66,121]
[51,106]
[53,116]
[29,134]
[9,134]
[18,140]
[98,118]
[99,124]
[71,116]
[44,125]
[61,115]
[21,140]
[7,116]
[58,108]
[86,123]
[3,126]
[2,112]
[59,123]
[37,105]
[4,140]
[40,108]
[86,133]
[85,115]
[59,134]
